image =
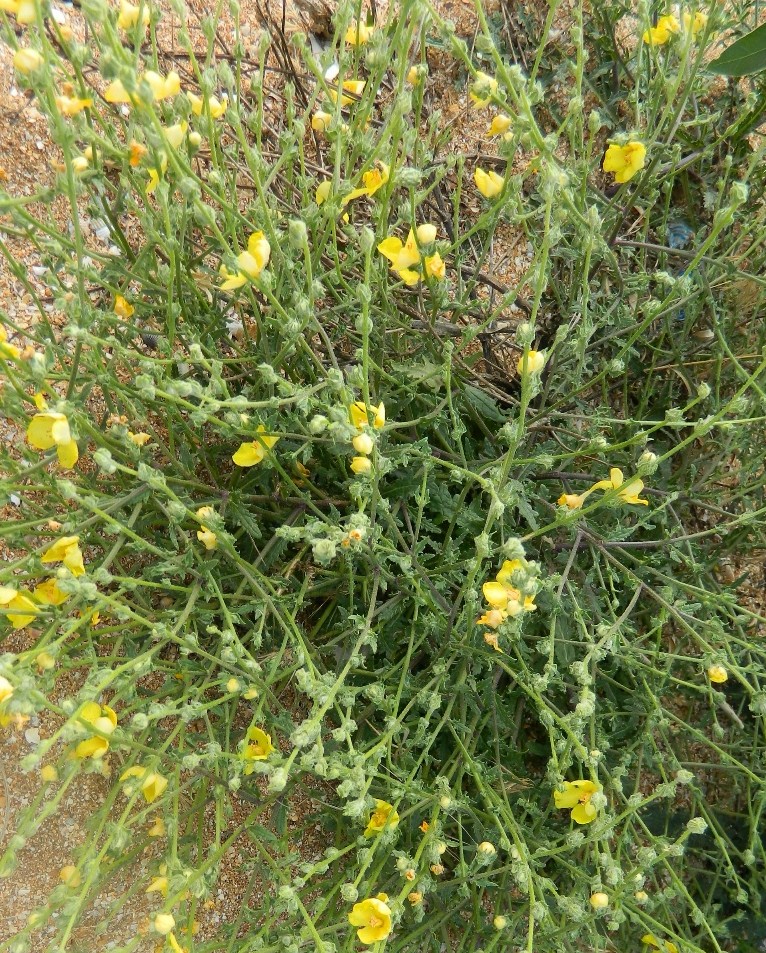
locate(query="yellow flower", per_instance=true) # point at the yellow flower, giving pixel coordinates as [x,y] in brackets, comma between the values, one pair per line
[401,255]
[157,829]
[251,262]
[158,885]
[535,361]
[572,501]
[206,536]
[139,439]
[66,550]
[258,747]
[383,817]
[353,86]
[577,795]
[249,454]
[175,133]
[624,161]
[48,593]
[489,183]
[360,417]
[493,618]
[104,720]
[492,640]
[152,784]
[27,60]
[482,89]
[628,492]
[434,266]
[500,125]
[413,76]
[717,674]
[25,11]
[373,917]
[6,690]
[115,92]
[415,897]
[376,178]
[599,901]
[70,876]
[695,22]
[45,661]
[217,107]
[48,773]
[175,946]
[71,105]
[130,15]
[162,87]
[321,122]
[156,174]
[122,307]
[8,350]
[102,717]
[506,600]
[660,34]
[361,465]
[22,609]
[665,946]
[359,33]
[509,567]
[52,430]
[136,152]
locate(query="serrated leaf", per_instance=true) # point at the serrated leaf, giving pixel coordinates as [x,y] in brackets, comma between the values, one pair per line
[484,405]
[745,56]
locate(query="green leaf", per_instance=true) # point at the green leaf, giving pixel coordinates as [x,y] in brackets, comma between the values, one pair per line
[744,57]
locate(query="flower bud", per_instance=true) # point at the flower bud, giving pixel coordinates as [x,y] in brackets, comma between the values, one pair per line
[599,901]
[164,923]
[717,674]
[296,229]
[363,443]
[318,424]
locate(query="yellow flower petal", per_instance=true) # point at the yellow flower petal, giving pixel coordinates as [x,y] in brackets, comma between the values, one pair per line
[122,307]
[359,33]
[23,611]
[482,89]
[94,747]
[500,125]
[624,161]
[66,550]
[490,184]
[49,594]
[376,178]
[384,817]
[435,266]
[496,594]
[373,917]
